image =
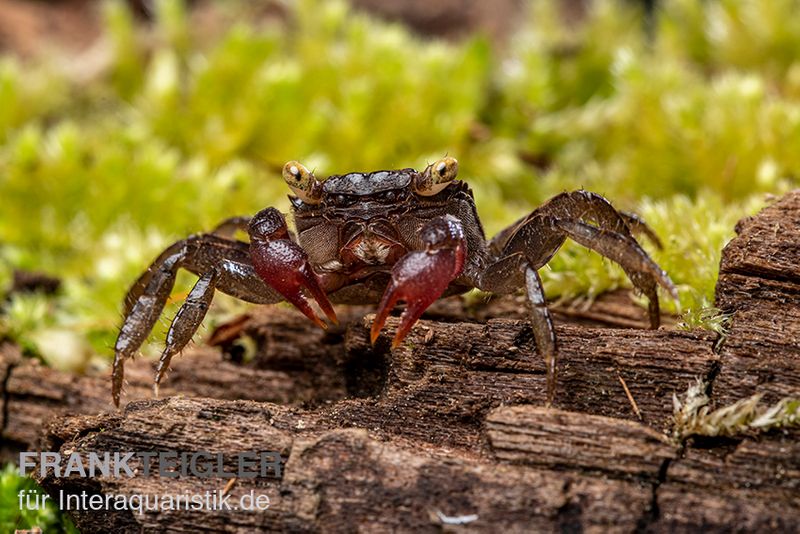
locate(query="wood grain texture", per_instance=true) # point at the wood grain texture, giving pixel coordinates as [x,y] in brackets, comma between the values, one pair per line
[338,480]
[759,285]
[551,438]
[749,485]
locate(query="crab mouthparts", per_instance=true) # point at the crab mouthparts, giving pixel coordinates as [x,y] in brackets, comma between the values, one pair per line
[373,250]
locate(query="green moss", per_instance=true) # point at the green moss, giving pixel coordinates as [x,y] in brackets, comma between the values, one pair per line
[12,517]
[98,173]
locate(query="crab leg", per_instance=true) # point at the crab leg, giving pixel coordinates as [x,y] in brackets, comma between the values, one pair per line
[140,320]
[543,330]
[138,288]
[284,266]
[585,206]
[187,321]
[541,235]
[420,277]
[529,244]
[226,228]
[639,227]
[506,276]
[642,271]
[199,254]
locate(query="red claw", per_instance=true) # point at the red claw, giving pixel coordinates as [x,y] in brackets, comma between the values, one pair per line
[420,277]
[284,266]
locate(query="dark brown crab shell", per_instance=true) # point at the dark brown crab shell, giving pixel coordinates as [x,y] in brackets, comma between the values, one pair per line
[370,190]
[370,183]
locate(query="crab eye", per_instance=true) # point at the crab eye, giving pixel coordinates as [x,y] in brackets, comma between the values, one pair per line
[446,169]
[302,182]
[436,177]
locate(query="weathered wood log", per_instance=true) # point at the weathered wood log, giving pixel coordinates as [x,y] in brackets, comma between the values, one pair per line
[297,363]
[747,485]
[450,427]
[445,379]
[759,284]
[34,393]
[340,480]
[605,476]
[557,439]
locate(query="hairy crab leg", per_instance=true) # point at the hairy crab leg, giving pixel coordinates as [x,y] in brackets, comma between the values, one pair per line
[138,287]
[543,331]
[642,271]
[420,277]
[529,244]
[541,236]
[187,321]
[638,226]
[584,206]
[140,320]
[199,254]
[284,266]
[226,228]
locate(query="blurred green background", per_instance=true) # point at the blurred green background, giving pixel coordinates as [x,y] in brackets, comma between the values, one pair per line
[689,116]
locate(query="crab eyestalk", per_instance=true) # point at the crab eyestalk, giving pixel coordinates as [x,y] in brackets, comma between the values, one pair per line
[302,182]
[436,177]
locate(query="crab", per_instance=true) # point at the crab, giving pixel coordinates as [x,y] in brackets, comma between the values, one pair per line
[382,237]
